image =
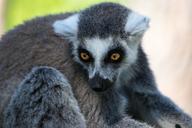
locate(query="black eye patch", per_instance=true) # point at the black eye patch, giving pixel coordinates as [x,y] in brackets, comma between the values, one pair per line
[109,57]
[87,55]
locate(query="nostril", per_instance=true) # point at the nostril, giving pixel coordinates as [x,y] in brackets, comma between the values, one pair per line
[177,126]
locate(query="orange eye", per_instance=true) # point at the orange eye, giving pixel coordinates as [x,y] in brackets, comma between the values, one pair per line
[115,56]
[84,56]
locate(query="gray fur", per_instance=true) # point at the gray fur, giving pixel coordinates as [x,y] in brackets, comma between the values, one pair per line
[39,45]
[44,100]
[102,28]
[103,20]
[108,20]
[146,103]
[98,108]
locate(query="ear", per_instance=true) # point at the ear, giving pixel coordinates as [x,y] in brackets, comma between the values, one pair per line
[68,27]
[136,24]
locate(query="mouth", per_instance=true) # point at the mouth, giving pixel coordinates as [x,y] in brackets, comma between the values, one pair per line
[99,84]
[99,89]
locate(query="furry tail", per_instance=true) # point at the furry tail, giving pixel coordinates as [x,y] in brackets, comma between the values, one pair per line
[44,99]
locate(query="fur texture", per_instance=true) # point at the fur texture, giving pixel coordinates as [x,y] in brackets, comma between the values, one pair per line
[101,20]
[147,104]
[26,47]
[44,100]
[37,46]
[108,20]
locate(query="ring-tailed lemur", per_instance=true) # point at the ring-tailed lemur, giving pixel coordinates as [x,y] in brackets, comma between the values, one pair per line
[106,41]
[103,54]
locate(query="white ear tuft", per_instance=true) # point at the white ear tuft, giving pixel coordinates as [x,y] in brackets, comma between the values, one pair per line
[67,27]
[136,23]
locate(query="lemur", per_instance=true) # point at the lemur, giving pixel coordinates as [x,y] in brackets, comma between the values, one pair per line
[99,51]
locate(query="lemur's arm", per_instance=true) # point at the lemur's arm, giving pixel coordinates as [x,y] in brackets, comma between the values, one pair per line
[151,106]
[44,100]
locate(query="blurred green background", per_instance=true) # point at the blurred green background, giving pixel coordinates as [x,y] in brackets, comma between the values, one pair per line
[17,11]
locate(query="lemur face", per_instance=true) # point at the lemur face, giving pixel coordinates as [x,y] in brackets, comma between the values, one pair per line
[105,38]
[102,58]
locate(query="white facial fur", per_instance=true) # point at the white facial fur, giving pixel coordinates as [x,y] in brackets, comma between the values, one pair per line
[136,23]
[99,48]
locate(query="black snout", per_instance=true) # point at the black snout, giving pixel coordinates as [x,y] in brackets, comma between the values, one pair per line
[99,84]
